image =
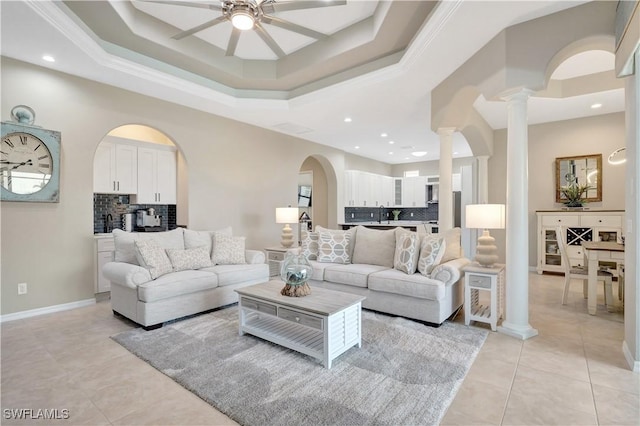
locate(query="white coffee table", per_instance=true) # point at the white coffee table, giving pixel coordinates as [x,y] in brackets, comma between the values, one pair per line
[323,324]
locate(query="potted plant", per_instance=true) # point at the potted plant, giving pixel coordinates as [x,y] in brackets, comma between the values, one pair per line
[573,194]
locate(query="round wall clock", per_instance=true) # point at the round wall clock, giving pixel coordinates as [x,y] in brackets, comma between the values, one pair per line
[29,163]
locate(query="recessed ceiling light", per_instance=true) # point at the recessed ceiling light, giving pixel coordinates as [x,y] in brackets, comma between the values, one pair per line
[419,153]
[455,153]
[390,152]
[347,119]
[383,135]
[48,58]
[391,142]
[596,106]
[357,147]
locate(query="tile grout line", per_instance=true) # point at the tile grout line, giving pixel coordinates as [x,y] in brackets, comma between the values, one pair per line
[513,379]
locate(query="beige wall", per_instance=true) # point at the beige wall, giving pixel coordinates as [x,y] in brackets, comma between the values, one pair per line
[595,135]
[237,175]
[430,168]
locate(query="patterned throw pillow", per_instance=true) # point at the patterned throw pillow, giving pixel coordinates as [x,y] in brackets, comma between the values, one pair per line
[153,257]
[407,250]
[228,250]
[191,258]
[333,247]
[432,250]
[309,242]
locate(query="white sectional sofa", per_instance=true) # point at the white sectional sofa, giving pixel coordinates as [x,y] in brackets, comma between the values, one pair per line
[203,271]
[402,273]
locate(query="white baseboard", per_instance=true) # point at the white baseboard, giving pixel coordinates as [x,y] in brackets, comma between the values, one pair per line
[633,364]
[47,310]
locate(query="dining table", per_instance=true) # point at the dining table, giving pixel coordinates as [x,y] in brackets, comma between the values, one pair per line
[594,253]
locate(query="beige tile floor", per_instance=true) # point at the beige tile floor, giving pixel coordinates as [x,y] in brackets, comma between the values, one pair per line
[572,373]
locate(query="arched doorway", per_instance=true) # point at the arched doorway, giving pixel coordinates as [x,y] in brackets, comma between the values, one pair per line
[313,181]
[136,168]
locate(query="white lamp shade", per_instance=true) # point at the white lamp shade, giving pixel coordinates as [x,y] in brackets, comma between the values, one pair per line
[286,215]
[485,216]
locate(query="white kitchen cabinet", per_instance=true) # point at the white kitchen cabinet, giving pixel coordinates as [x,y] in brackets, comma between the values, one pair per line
[104,253]
[156,176]
[577,226]
[115,169]
[351,188]
[414,191]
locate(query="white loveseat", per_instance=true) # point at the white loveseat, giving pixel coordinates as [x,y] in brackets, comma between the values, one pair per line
[383,266]
[204,270]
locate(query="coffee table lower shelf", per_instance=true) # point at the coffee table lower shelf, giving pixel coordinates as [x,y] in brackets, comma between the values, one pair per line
[284,333]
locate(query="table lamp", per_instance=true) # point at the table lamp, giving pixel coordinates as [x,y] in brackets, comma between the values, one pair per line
[485,217]
[286,215]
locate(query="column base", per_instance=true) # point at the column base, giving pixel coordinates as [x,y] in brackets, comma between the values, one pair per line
[517,331]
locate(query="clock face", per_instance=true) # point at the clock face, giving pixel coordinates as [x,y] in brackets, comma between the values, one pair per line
[26,164]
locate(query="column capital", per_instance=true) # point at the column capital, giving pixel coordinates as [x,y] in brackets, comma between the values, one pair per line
[446,131]
[516,94]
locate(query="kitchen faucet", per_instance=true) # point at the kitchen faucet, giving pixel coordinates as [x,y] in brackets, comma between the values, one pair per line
[107,222]
[380,211]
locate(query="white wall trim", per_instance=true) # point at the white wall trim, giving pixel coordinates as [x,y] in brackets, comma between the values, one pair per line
[47,310]
[633,364]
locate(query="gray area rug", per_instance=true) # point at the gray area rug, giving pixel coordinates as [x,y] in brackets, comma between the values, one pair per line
[405,373]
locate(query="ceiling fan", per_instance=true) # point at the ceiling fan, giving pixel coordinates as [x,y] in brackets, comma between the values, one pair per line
[252,14]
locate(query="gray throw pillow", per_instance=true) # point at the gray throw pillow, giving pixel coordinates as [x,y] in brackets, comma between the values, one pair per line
[374,247]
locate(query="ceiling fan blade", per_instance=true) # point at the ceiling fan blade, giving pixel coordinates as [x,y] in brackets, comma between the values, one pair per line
[233,42]
[269,40]
[199,28]
[201,5]
[303,4]
[290,26]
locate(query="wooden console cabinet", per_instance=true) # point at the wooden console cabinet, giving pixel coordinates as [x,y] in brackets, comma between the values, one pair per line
[578,226]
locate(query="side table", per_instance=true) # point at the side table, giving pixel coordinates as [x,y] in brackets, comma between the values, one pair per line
[482,279]
[275,256]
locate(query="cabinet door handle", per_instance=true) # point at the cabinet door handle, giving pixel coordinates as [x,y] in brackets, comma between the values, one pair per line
[118,185]
[158,196]
[114,185]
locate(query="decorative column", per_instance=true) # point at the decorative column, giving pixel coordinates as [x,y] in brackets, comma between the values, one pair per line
[445,198]
[483,179]
[631,342]
[516,321]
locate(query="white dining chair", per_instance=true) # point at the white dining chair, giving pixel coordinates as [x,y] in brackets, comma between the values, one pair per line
[581,273]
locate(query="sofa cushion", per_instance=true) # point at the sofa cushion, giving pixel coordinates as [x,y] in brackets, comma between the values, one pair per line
[407,251]
[125,250]
[454,246]
[432,250]
[374,247]
[309,244]
[415,285]
[228,250]
[194,239]
[176,284]
[318,269]
[355,274]
[189,258]
[153,257]
[333,247]
[234,274]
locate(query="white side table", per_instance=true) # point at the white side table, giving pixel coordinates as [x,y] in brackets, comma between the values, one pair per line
[275,256]
[479,278]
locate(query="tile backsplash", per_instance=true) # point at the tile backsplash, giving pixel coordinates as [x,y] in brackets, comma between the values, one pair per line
[117,205]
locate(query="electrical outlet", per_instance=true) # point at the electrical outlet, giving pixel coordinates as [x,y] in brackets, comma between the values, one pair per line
[372,215]
[352,215]
[411,214]
[22,288]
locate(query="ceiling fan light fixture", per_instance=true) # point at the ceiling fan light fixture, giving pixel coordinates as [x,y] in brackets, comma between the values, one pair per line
[242,19]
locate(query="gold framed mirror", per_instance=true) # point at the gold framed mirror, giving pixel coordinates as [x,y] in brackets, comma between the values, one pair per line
[579,171]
